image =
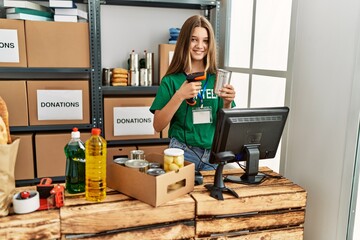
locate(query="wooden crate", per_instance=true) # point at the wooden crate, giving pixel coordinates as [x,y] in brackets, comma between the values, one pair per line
[36,225]
[274,209]
[122,217]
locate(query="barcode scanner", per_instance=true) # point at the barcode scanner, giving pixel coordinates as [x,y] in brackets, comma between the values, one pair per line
[192,77]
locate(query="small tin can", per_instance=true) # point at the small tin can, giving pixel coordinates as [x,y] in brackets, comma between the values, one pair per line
[141,165]
[137,154]
[134,78]
[120,161]
[155,171]
[149,60]
[107,76]
[154,165]
[134,61]
[150,77]
[144,77]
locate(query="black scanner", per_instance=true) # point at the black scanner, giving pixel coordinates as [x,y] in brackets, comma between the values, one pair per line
[199,179]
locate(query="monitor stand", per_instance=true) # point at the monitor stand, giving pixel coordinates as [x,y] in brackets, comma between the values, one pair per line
[251,175]
[217,189]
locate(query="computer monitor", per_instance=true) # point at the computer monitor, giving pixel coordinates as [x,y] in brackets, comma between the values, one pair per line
[248,134]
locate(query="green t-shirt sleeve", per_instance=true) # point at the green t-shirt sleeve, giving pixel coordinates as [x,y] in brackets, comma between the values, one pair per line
[163,95]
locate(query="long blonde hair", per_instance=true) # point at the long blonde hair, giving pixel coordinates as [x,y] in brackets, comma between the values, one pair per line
[182,58]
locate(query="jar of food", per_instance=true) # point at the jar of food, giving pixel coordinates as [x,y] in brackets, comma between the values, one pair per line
[173,159]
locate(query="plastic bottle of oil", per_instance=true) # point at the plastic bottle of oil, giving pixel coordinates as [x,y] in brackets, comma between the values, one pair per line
[95,151]
[75,164]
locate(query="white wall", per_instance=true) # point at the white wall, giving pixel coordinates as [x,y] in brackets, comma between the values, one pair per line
[127,28]
[324,111]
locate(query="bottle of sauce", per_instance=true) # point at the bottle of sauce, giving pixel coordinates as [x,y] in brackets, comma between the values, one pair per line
[75,164]
[95,152]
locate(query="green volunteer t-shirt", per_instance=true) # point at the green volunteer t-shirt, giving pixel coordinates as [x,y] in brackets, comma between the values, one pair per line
[197,135]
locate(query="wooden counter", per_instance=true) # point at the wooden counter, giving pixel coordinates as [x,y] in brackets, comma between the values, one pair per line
[274,209]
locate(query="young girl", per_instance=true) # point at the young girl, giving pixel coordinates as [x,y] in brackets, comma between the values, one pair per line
[192,127]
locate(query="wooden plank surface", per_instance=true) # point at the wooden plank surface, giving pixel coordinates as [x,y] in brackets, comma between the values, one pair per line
[273,179]
[179,230]
[251,199]
[252,222]
[296,233]
[87,217]
[37,225]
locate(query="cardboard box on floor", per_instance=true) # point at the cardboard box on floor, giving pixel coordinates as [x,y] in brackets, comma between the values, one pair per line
[150,189]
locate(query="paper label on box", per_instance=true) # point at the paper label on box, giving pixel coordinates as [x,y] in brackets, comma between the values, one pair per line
[9,46]
[59,104]
[171,54]
[133,121]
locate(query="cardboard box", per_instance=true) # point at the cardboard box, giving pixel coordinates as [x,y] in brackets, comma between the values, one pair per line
[166,52]
[153,150]
[117,152]
[57,44]
[13,54]
[14,94]
[50,155]
[132,130]
[24,166]
[150,189]
[33,86]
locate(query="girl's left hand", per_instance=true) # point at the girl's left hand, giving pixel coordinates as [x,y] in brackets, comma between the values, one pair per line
[228,94]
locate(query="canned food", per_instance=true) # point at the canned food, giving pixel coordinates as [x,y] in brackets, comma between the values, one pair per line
[134,78]
[155,171]
[134,61]
[141,165]
[154,165]
[173,159]
[120,161]
[107,73]
[144,77]
[137,154]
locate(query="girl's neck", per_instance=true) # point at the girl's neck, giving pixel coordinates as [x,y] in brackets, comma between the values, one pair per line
[196,67]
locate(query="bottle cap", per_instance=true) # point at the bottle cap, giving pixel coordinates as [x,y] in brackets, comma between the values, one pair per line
[75,133]
[95,131]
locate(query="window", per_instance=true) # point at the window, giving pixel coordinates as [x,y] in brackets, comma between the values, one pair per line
[256,51]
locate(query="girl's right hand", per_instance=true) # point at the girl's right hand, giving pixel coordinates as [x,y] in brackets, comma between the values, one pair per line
[189,90]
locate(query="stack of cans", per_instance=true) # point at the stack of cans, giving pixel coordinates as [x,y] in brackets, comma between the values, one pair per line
[146,74]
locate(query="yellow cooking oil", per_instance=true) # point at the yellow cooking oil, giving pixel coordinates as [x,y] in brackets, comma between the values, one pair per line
[95,167]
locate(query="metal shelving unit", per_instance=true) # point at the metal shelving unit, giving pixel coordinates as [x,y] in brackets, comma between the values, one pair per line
[94,73]
[97,90]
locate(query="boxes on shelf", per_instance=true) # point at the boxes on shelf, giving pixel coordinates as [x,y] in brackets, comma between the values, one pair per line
[24,166]
[150,189]
[50,156]
[166,52]
[58,102]
[128,118]
[14,94]
[13,51]
[57,44]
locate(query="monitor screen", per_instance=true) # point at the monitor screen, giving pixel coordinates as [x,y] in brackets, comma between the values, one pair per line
[250,134]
